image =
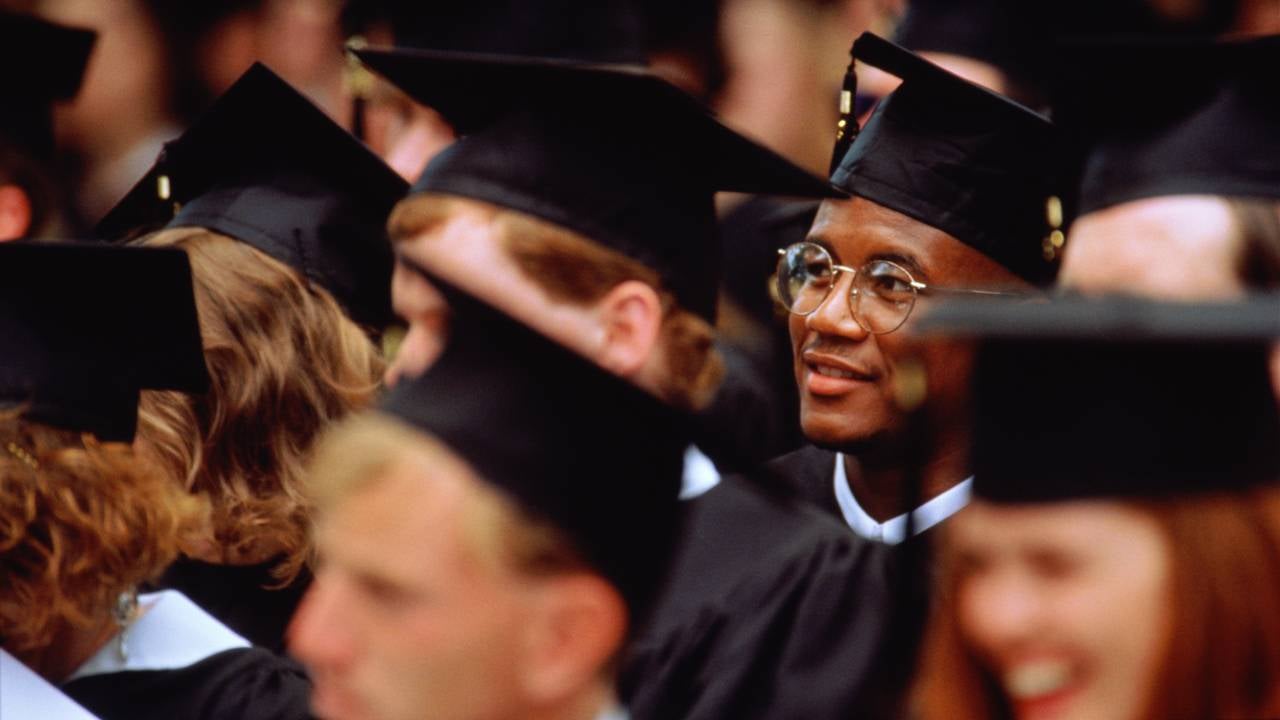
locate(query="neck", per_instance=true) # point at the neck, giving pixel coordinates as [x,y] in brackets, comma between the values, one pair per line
[587,705]
[70,647]
[880,482]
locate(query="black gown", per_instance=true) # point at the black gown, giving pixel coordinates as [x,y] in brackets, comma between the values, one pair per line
[808,474]
[242,683]
[178,661]
[238,595]
[772,611]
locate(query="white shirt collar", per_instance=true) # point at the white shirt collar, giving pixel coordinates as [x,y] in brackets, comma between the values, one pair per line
[172,633]
[614,713]
[700,474]
[24,694]
[894,530]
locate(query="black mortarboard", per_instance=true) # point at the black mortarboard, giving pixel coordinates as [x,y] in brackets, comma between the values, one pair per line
[266,166]
[1119,397]
[44,63]
[1173,117]
[86,327]
[571,443]
[957,157]
[610,151]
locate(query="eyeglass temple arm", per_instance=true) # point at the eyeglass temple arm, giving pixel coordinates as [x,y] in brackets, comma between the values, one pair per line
[963,291]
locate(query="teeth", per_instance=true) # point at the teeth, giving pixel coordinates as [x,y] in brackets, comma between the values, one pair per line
[833,372]
[1038,678]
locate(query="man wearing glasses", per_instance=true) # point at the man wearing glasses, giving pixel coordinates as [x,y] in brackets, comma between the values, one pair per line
[950,185]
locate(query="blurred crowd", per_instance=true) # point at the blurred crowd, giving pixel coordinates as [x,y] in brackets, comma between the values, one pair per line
[582,360]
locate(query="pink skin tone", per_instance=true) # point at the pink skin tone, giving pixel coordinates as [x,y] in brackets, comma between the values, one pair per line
[1066,605]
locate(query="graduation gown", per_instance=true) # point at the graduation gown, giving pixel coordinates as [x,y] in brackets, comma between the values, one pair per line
[182,663]
[772,611]
[238,596]
[807,475]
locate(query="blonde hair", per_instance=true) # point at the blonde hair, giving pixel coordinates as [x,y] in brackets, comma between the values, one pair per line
[80,523]
[358,451]
[572,269]
[284,362]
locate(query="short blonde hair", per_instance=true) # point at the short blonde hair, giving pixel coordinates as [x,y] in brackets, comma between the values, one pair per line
[80,523]
[358,451]
[284,361]
[572,269]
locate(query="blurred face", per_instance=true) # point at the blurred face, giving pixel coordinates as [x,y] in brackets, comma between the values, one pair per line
[1179,247]
[1066,605]
[466,249]
[403,620]
[844,373]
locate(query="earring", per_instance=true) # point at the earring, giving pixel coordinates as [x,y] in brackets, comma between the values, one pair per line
[125,610]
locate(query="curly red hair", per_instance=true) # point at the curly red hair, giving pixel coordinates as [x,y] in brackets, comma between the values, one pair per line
[80,523]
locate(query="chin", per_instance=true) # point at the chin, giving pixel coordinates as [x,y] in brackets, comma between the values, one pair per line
[833,432]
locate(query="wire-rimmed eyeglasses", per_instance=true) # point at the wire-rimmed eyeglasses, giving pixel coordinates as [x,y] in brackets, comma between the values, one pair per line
[881,296]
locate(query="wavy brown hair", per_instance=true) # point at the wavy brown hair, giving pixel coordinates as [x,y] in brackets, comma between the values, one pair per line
[80,523]
[284,362]
[1222,661]
[570,268]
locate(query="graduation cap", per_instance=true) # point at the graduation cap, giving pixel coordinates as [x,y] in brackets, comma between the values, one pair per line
[1119,397]
[957,157]
[86,327]
[610,151]
[44,63]
[267,167]
[1161,117]
[569,442]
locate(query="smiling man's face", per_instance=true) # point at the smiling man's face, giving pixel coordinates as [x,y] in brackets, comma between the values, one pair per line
[845,374]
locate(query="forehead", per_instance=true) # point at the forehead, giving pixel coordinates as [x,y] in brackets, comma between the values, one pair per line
[856,229]
[407,521]
[1096,525]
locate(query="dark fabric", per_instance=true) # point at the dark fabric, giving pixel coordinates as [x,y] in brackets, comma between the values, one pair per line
[245,684]
[1119,428]
[809,473]
[44,63]
[748,420]
[569,442]
[250,168]
[240,597]
[610,151]
[85,327]
[771,611]
[1164,117]
[1118,397]
[957,157]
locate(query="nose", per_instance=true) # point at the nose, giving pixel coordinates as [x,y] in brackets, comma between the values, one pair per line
[1000,611]
[320,634]
[834,315]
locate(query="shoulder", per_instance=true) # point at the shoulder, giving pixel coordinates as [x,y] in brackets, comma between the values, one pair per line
[807,473]
[249,683]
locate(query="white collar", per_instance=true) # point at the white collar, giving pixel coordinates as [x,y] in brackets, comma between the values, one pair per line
[894,530]
[614,713]
[172,633]
[700,474]
[24,694]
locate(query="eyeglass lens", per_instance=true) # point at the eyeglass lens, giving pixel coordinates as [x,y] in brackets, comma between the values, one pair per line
[882,295]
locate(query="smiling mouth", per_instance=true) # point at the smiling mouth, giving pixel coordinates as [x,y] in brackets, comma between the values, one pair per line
[831,372]
[1033,680]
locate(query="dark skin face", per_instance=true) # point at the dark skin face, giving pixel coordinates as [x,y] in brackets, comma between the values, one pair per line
[859,414]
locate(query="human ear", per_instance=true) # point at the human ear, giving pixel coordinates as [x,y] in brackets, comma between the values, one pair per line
[15,212]
[576,628]
[630,317]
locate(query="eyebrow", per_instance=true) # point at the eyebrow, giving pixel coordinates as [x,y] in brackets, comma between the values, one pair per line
[901,258]
[907,261]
